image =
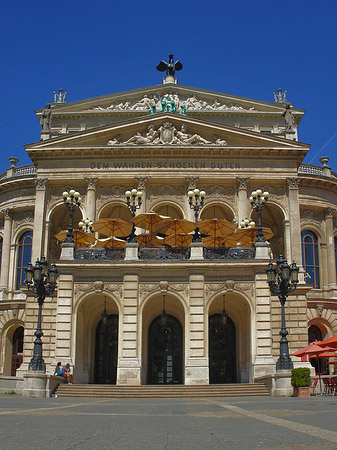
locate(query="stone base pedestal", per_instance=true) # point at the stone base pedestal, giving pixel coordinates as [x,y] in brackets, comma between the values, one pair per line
[264,365]
[128,372]
[35,385]
[44,135]
[3,293]
[261,250]
[131,251]
[197,250]
[197,371]
[67,251]
[283,387]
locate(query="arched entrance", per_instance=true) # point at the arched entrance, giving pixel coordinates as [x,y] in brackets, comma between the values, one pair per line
[106,350]
[17,350]
[165,351]
[222,350]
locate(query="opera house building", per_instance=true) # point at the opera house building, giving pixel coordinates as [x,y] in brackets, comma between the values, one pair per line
[162,208]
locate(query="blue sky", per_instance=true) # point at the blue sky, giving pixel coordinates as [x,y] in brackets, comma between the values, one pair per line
[96,48]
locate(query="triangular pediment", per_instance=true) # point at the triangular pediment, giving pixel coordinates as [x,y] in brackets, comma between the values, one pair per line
[165,131]
[193,100]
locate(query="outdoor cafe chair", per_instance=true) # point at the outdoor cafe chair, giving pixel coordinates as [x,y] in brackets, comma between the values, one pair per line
[327,386]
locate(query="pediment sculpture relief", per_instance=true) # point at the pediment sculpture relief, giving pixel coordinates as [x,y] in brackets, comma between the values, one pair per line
[167,133]
[155,103]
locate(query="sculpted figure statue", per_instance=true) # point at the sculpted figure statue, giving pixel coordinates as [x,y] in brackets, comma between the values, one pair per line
[183,137]
[144,103]
[219,141]
[45,119]
[115,140]
[289,119]
[169,67]
[150,136]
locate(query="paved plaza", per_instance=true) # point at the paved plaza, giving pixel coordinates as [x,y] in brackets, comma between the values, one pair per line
[222,423]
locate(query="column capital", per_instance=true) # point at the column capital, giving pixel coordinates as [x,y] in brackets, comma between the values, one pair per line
[41,184]
[141,182]
[242,182]
[91,182]
[8,213]
[191,182]
[293,183]
[328,213]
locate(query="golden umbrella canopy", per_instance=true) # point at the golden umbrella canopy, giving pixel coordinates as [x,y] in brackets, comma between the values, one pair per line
[147,221]
[110,242]
[179,240]
[112,227]
[217,228]
[227,241]
[149,240]
[174,226]
[81,238]
[248,235]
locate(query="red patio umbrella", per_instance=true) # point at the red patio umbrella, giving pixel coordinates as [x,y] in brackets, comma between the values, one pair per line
[332,342]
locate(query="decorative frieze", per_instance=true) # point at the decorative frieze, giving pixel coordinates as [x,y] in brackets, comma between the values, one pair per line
[23,217]
[146,289]
[220,192]
[164,191]
[312,216]
[98,287]
[228,286]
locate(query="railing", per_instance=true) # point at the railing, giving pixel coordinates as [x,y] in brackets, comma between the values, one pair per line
[229,253]
[154,254]
[14,172]
[309,169]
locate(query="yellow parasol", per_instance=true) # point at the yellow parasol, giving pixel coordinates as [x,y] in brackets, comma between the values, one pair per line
[179,240]
[248,235]
[147,221]
[110,242]
[174,226]
[81,238]
[149,240]
[218,229]
[112,227]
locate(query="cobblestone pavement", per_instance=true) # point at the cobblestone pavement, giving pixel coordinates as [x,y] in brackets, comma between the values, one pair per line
[224,423]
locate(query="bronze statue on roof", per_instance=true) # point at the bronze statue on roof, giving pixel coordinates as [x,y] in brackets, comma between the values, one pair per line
[169,67]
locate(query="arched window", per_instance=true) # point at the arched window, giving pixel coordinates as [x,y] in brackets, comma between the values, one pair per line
[24,256]
[310,257]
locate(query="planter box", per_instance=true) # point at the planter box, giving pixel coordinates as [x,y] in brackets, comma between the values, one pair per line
[301,392]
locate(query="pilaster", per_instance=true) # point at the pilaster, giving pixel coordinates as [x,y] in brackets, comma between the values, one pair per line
[294,221]
[264,362]
[128,371]
[90,206]
[63,344]
[330,247]
[141,184]
[242,198]
[6,246]
[196,361]
[39,215]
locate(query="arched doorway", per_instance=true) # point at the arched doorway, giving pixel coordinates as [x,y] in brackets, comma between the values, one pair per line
[106,350]
[165,351]
[17,350]
[222,350]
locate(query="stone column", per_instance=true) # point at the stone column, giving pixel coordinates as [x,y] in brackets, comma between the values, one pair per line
[128,370]
[330,242]
[6,247]
[196,361]
[242,207]
[294,222]
[191,183]
[263,362]
[90,205]
[64,317]
[287,243]
[39,217]
[141,183]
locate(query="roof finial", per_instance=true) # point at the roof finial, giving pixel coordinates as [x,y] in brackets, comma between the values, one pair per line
[60,97]
[170,69]
[280,97]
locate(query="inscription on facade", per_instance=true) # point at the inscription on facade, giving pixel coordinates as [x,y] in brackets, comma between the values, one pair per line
[232,165]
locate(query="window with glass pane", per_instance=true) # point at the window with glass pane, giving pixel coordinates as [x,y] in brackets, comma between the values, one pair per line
[310,257]
[24,256]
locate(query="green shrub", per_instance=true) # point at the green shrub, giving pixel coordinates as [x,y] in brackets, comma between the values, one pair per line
[335,367]
[300,377]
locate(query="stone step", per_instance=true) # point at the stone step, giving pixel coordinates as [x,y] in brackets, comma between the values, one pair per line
[168,391]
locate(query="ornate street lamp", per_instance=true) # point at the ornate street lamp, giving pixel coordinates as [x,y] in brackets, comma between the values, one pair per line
[282,280]
[134,201]
[41,281]
[247,224]
[196,201]
[86,226]
[72,200]
[258,201]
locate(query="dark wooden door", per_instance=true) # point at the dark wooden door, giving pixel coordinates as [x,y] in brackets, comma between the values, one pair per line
[222,350]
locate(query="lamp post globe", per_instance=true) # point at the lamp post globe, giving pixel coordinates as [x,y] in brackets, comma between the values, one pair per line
[134,200]
[258,201]
[72,200]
